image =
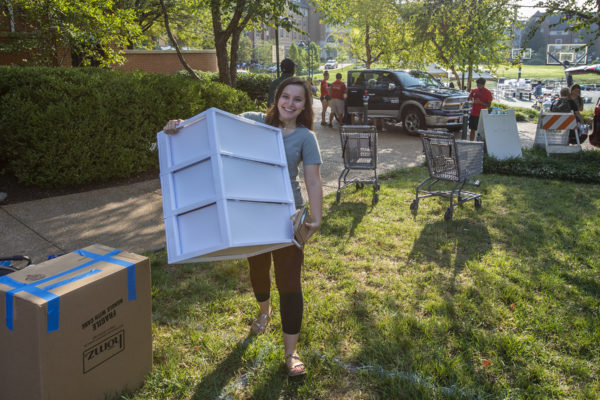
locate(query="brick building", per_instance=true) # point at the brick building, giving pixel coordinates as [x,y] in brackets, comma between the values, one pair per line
[157,61]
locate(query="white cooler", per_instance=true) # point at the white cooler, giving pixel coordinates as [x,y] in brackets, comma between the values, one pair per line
[225,187]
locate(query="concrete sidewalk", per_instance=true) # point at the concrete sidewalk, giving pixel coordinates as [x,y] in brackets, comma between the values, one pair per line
[130,217]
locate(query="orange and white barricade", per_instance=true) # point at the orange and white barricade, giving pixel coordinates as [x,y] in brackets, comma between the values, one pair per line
[553,132]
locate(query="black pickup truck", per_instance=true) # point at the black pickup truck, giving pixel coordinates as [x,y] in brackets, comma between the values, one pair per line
[414,98]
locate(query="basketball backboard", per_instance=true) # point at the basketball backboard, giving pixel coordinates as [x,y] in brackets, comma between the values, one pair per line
[574,54]
[520,54]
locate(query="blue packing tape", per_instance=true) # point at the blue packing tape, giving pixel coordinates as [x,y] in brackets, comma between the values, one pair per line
[52,299]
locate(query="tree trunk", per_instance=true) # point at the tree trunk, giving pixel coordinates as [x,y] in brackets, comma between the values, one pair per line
[222,57]
[367,48]
[470,75]
[172,38]
[11,16]
[233,57]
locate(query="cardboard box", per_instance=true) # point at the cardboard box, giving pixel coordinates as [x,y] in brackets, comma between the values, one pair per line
[76,327]
[225,187]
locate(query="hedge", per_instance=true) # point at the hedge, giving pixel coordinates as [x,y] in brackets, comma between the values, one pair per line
[254,85]
[64,127]
[583,167]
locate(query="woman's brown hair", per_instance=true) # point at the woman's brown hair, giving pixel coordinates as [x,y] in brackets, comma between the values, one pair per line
[306,116]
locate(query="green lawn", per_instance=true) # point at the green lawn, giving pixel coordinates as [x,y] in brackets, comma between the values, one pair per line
[501,303]
[544,72]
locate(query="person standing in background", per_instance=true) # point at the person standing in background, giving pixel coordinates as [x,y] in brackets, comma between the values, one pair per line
[576,96]
[324,97]
[537,91]
[288,68]
[338,92]
[481,98]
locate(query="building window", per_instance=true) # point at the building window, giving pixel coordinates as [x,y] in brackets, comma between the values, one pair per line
[558,41]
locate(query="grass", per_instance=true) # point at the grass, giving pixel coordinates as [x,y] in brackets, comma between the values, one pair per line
[502,302]
[543,72]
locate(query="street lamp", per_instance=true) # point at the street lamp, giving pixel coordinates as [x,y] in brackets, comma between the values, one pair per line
[303,45]
[286,19]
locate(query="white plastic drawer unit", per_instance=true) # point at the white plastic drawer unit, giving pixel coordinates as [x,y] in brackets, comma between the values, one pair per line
[225,187]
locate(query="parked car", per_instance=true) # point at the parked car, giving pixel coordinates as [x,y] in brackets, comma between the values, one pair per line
[330,64]
[415,98]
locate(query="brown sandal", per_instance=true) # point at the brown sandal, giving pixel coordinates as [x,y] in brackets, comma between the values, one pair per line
[295,367]
[260,323]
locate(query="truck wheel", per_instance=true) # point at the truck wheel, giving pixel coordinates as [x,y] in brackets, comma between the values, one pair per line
[412,120]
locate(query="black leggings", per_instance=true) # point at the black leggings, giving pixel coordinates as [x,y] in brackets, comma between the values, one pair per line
[288,265]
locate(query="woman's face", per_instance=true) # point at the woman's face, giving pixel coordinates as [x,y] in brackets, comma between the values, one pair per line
[291,103]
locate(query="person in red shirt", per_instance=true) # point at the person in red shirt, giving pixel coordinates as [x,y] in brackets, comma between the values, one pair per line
[324,96]
[482,98]
[338,92]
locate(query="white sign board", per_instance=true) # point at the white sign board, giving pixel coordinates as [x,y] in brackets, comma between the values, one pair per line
[500,134]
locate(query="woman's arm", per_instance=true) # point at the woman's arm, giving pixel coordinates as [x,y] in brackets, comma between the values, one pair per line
[314,187]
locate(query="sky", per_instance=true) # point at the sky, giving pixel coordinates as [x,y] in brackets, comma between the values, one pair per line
[527,12]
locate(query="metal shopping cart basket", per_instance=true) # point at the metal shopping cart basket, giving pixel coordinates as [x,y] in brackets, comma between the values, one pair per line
[359,151]
[449,160]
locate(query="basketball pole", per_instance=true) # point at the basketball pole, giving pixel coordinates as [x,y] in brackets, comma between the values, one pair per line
[565,65]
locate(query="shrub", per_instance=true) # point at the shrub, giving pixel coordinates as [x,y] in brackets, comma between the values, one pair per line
[579,167]
[254,85]
[63,127]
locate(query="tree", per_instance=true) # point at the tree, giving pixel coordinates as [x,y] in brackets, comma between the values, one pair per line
[231,17]
[245,51]
[187,67]
[94,31]
[263,52]
[462,33]
[579,16]
[190,22]
[310,57]
[368,25]
[295,54]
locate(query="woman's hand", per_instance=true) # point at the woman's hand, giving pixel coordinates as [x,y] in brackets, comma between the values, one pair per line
[314,187]
[312,228]
[171,126]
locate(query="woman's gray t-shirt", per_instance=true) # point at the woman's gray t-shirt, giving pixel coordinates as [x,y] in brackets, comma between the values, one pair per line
[300,146]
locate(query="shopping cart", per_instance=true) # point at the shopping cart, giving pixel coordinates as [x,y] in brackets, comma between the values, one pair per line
[359,151]
[449,160]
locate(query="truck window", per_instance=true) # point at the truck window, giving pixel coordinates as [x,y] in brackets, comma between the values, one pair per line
[407,80]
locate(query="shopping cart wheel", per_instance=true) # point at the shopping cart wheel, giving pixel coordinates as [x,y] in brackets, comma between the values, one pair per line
[477,203]
[448,215]
[414,206]
[338,196]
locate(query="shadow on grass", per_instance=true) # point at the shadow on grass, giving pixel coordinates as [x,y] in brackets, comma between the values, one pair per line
[342,219]
[452,245]
[211,385]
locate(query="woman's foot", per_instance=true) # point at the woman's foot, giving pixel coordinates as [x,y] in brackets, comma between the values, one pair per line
[323,123]
[294,366]
[260,323]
